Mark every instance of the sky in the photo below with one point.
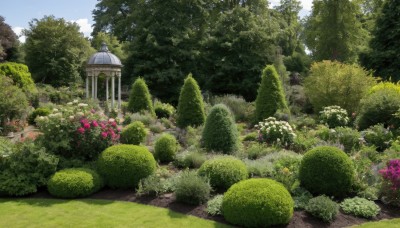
(18, 13)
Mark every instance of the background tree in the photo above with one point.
(113, 44)
(383, 55)
(55, 51)
(271, 97)
(9, 44)
(333, 30)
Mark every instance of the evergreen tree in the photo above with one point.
(271, 97)
(383, 56)
(220, 132)
(140, 98)
(190, 107)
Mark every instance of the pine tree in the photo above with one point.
(140, 98)
(190, 107)
(220, 131)
(271, 97)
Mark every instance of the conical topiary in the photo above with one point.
(220, 131)
(140, 98)
(190, 107)
(270, 97)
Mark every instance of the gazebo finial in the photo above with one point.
(104, 47)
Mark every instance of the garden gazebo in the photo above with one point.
(103, 62)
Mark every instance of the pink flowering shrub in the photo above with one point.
(77, 131)
(390, 188)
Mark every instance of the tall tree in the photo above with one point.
(9, 43)
(383, 55)
(333, 31)
(113, 44)
(55, 51)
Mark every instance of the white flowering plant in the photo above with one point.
(274, 132)
(334, 116)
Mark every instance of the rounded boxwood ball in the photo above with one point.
(327, 170)
(123, 166)
(224, 171)
(134, 133)
(166, 147)
(257, 202)
(74, 183)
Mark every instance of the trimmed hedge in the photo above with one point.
(140, 98)
(166, 147)
(327, 170)
(123, 166)
(190, 107)
(220, 133)
(257, 203)
(74, 183)
(134, 133)
(224, 171)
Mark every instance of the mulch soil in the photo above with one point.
(300, 218)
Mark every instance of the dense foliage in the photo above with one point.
(74, 183)
(223, 171)
(390, 188)
(256, 203)
(360, 207)
(270, 97)
(140, 98)
(220, 132)
(327, 170)
(134, 133)
(274, 132)
(9, 46)
(123, 166)
(166, 147)
(334, 116)
(21, 77)
(190, 106)
(323, 208)
(192, 189)
(43, 111)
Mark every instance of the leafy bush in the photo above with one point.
(134, 133)
(74, 183)
(253, 136)
(273, 132)
(331, 83)
(301, 198)
(360, 207)
(192, 188)
(286, 171)
(270, 97)
(25, 169)
(123, 166)
(214, 205)
(140, 98)
(241, 109)
(6, 149)
(166, 147)
(327, 170)
(163, 110)
(38, 112)
(379, 108)
(385, 86)
(256, 150)
(257, 203)
(348, 137)
(157, 183)
(378, 136)
(334, 116)
(304, 142)
(390, 188)
(190, 106)
(323, 207)
(223, 171)
(190, 159)
(60, 95)
(220, 132)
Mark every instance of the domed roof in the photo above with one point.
(104, 57)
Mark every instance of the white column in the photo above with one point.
(92, 86)
(107, 79)
(112, 91)
(119, 91)
(95, 86)
(87, 86)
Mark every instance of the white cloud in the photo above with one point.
(84, 25)
(306, 4)
(18, 31)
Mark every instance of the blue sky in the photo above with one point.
(18, 13)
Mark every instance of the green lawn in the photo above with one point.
(92, 213)
(393, 223)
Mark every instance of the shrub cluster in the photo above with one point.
(134, 133)
(390, 188)
(241, 109)
(272, 131)
(163, 110)
(323, 207)
(38, 112)
(190, 159)
(165, 147)
(214, 205)
(257, 203)
(360, 207)
(223, 171)
(220, 132)
(378, 136)
(327, 170)
(123, 166)
(334, 116)
(140, 98)
(74, 183)
(192, 189)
